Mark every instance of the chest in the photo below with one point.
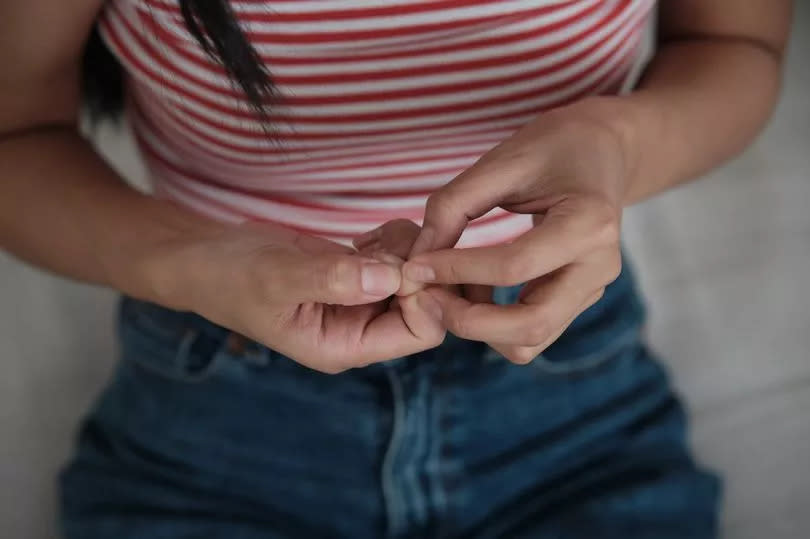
(362, 72)
(293, 35)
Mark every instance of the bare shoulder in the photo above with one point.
(41, 45)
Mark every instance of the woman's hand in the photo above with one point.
(397, 238)
(568, 169)
(320, 303)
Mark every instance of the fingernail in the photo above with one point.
(379, 279)
(419, 273)
(371, 247)
(429, 304)
(388, 258)
(371, 235)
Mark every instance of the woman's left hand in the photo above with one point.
(568, 169)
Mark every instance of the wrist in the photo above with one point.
(625, 125)
(164, 263)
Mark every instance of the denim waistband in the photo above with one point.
(615, 318)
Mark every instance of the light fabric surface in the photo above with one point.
(725, 265)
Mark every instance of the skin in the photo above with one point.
(708, 92)
(303, 296)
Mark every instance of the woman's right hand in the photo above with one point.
(320, 303)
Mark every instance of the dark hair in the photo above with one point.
(215, 27)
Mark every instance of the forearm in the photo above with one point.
(707, 93)
(62, 208)
(700, 102)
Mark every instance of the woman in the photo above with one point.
(270, 386)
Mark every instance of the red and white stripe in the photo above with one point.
(380, 103)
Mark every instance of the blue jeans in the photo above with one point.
(199, 437)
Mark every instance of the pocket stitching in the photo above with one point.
(589, 361)
(161, 351)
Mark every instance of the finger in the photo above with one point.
(395, 261)
(370, 248)
(414, 328)
(523, 323)
(364, 240)
(339, 279)
(559, 240)
(423, 316)
(398, 237)
(526, 354)
(395, 237)
(388, 258)
(408, 287)
(334, 338)
(469, 196)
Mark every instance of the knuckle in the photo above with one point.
(614, 268)
(438, 204)
(325, 363)
(329, 368)
(516, 268)
(458, 324)
(442, 209)
(339, 277)
(537, 331)
(521, 355)
(606, 223)
(610, 231)
(334, 363)
(440, 337)
(436, 338)
(602, 218)
(454, 274)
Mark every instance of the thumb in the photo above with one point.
(339, 279)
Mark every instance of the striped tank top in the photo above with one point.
(380, 102)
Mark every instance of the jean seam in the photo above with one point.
(181, 350)
(590, 361)
(393, 504)
(435, 466)
(420, 503)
